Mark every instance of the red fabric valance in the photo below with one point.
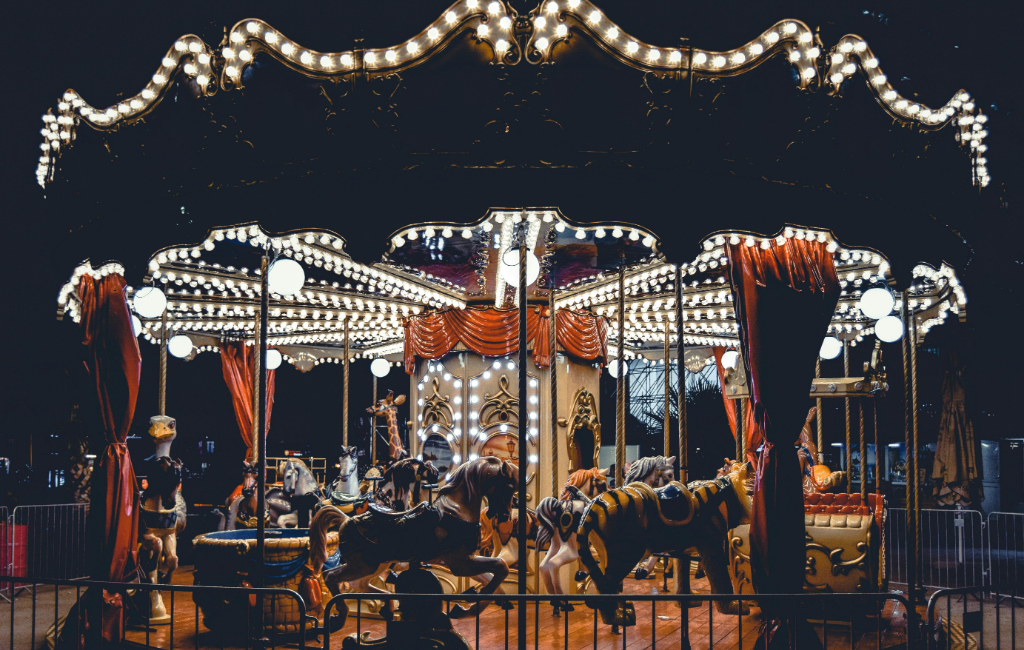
(495, 333)
(237, 363)
(785, 297)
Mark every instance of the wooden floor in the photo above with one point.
(573, 631)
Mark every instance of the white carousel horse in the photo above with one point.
(558, 520)
(291, 505)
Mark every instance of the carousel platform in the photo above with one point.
(714, 630)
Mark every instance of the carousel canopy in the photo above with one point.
(212, 287)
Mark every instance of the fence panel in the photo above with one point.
(5, 552)
(970, 618)
(48, 541)
(952, 548)
(1005, 551)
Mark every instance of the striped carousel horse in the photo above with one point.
(625, 523)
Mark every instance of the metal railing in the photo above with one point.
(969, 619)
(1005, 549)
(47, 541)
(839, 620)
(953, 548)
(40, 618)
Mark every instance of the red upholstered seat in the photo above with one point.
(847, 504)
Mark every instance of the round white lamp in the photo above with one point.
(830, 348)
(285, 277)
(273, 359)
(136, 325)
(510, 267)
(889, 329)
(613, 368)
(380, 367)
(730, 358)
(180, 346)
(149, 302)
(877, 302)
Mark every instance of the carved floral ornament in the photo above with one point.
(512, 38)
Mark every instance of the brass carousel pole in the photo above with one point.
(373, 426)
(863, 453)
(344, 389)
(256, 443)
(668, 395)
(553, 380)
(258, 415)
(878, 449)
(620, 384)
(161, 401)
(911, 543)
(524, 456)
(846, 402)
(917, 472)
(737, 407)
(820, 416)
(684, 456)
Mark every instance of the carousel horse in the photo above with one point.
(291, 505)
(387, 408)
(562, 516)
(162, 520)
(345, 492)
(402, 486)
(447, 531)
(496, 533)
(242, 508)
(625, 523)
(817, 478)
(656, 471)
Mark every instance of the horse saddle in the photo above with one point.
(349, 503)
(675, 503)
(388, 516)
(156, 520)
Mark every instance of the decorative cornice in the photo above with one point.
(512, 38)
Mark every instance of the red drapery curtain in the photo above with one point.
(750, 429)
(112, 366)
(236, 360)
(785, 296)
(495, 333)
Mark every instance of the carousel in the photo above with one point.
(494, 473)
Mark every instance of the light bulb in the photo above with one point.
(889, 329)
(273, 359)
(285, 277)
(180, 346)
(830, 348)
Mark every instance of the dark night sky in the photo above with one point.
(930, 49)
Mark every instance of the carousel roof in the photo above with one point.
(503, 36)
(213, 286)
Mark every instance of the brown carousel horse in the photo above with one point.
(447, 531)
(242, 502)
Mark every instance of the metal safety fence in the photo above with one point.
(974, 618)
(953, 548)
(1005, 550)
(698, 621)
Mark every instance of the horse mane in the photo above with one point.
(577, 479)
(469, 476)
(644, 467)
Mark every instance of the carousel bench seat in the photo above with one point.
(844, 549)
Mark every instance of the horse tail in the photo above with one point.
(327, 518)
(548, 511)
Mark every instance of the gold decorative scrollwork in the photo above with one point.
(501, 407)
(835, 557)
(584, 415)
(436, 408)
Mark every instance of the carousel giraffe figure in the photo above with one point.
(387, 408)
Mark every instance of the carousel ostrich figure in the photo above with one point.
(558, 521)
(446, 531)
(163, 513)
(387, 408)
